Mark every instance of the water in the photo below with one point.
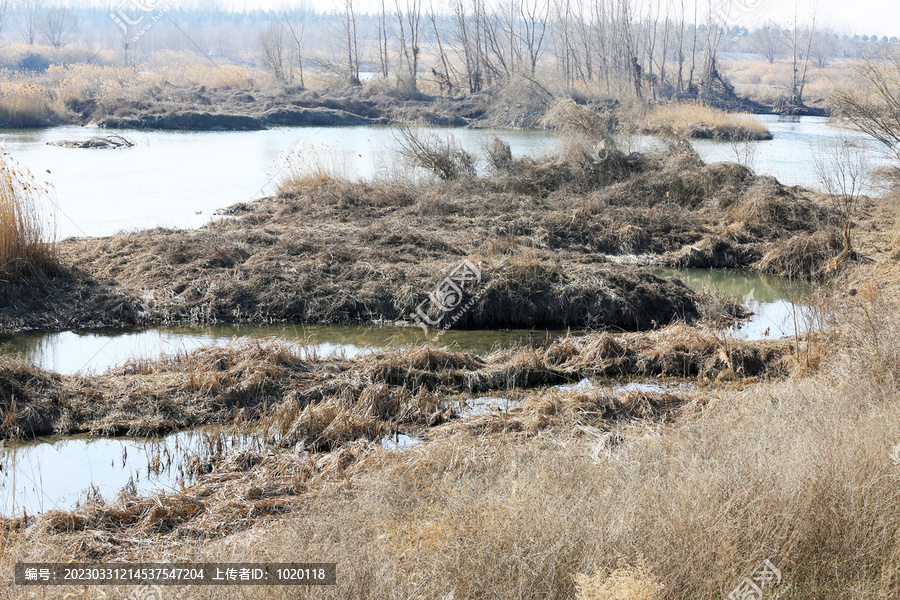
(97, 350)
(789, 155)
(55, 473)
(180, 178)
(778, 305)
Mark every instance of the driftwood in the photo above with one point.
(100, 141)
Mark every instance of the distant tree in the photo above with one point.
(28, 15)
(295, 25)
(800, 42)
(5, 12)
(409, 18)
(768, 41)
(57, 26)
(824, 47)
(352, 42)
(271, 50)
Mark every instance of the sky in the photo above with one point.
(862, 17)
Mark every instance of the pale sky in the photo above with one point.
(862, 17)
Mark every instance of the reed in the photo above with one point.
(27, 235)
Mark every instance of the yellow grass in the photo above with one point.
(767, 83)
(684, 119)
(24, 103)
(26, 235)
(625, 583)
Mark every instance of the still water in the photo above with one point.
(779, 306)
(97, 350)
(180, 178)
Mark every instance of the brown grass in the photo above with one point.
(795, 471)
(24, 105)
(702, 121)
(27, 235)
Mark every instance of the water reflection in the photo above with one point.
(95, 351)
(779, 305)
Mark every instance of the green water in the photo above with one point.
(765, 288)
(779, 306)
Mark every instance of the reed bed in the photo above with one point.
(27, 233)
(702, 121)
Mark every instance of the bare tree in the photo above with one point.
(872, 102)
(28, 18)
(271, 49)
(824, 47)
(712, 82)
(410, 21)
(57, 26)
(842, 169)
(383, 56)
(768, 40)
(5, 12)
(801, 44)
(444, 77)
(533, 14)
(352, 42)
(295, 25)
(469, 39)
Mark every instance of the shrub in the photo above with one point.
(442, 156)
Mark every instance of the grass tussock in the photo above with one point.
(703, 122)
(27, 235)
(625, 583)
(323, 404)
(553, 238)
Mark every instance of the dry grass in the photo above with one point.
(24, 104)
(323, 404)
(625, 583)
(799, 472)
(27, 235)
(767, 83)
(702, 121)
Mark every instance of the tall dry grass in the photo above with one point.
(700, 120)
(25, 104)
(27, 234)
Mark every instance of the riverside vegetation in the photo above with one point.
(751, 450)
